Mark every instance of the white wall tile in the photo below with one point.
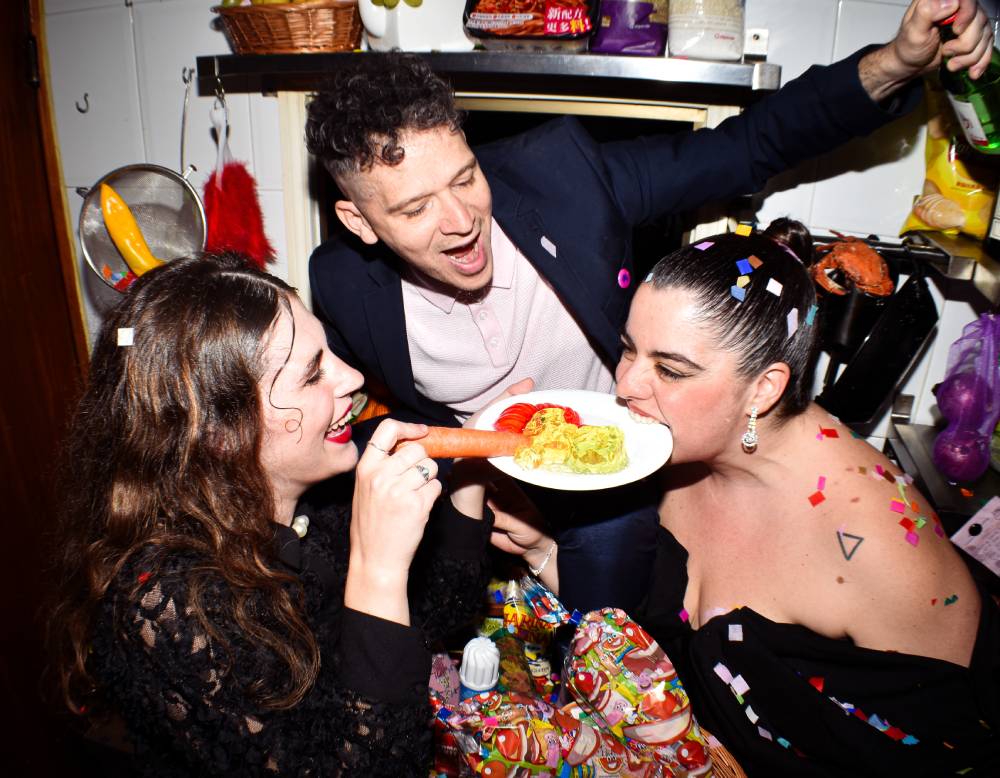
(801, 34)
(867, 186)
(64, 6)
(169, 37)
(266, 141)
(91, 53)
(272, 206)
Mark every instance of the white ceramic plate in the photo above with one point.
(648, 445)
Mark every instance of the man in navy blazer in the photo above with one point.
(422, 211)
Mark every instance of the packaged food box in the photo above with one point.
(633, 27)
(532, 25)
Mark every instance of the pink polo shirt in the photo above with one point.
(464, 354)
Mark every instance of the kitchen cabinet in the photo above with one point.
(698, 93)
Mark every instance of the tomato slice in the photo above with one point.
(514, 417)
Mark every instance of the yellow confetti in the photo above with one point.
(743, 229)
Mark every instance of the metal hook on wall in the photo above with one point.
(220, 92)
(187, 75)
(86, 103)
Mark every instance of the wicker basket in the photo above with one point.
(293, 28)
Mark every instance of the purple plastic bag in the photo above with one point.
(969, 398)
(630, 27)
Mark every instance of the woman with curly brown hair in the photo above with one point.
(237, 625)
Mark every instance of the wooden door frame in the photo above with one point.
(65, 236)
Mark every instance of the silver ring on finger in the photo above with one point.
(378, 448)
(424, 471)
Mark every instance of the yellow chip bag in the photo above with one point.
(959, 185)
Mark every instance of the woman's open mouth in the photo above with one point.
(340, 431)
(641, 418)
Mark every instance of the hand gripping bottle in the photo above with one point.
(480, 667)
(976, 102)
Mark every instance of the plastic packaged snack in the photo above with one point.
(959, 189)
(706, 29)
(531, 25)
(636, 27)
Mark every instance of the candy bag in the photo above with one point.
(969, 398)
(624, 681)
(959, 188)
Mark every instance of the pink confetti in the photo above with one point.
(938, 531)
(705, 244)
(912, 538)
(898, 506)
(821, 483)
(683, 615)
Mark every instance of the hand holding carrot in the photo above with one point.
(393, 496)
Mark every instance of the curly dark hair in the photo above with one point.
(756, 330)
(163, 454)
(357, 119)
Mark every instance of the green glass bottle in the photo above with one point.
(976, 103)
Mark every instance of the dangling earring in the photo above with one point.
(749, 439)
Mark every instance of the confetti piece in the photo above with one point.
(857, 541)
(863, 470)
(816, 498)
(811, 315)
(784, 743)
(774, 287)
(743, 281)
(764, 733)
(913, 539)
(743, 229)
(106, 272)
(933, 600)
(966, 492)
(938, 531)
(744, 266)
(909, 740)
(907, 524)
(830, 432)
(751, 714)
(950, 600)
(755, 261)
(817, 682)
(879, 469)
(792, 321)
(888, 476)
(648, 278)
(705, 244)
(876, 722)
(126, 336)
(736, 633)
(683, 615)
(723, 672)
(821, 483)
(548, 245)
(740, 686)
(738, 293)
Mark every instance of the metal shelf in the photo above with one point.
(593, 75)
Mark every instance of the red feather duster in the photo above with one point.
(233, 219)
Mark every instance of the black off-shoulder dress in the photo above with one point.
(183, 696)
(787, 701)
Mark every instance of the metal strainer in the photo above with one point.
(166, 208)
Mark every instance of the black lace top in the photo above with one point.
(787, 701)
(366, 715)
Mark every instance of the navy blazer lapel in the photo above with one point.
(386, 323)
(526, 227)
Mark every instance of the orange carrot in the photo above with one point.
(448, 442)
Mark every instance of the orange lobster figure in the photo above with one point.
(860, 264)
